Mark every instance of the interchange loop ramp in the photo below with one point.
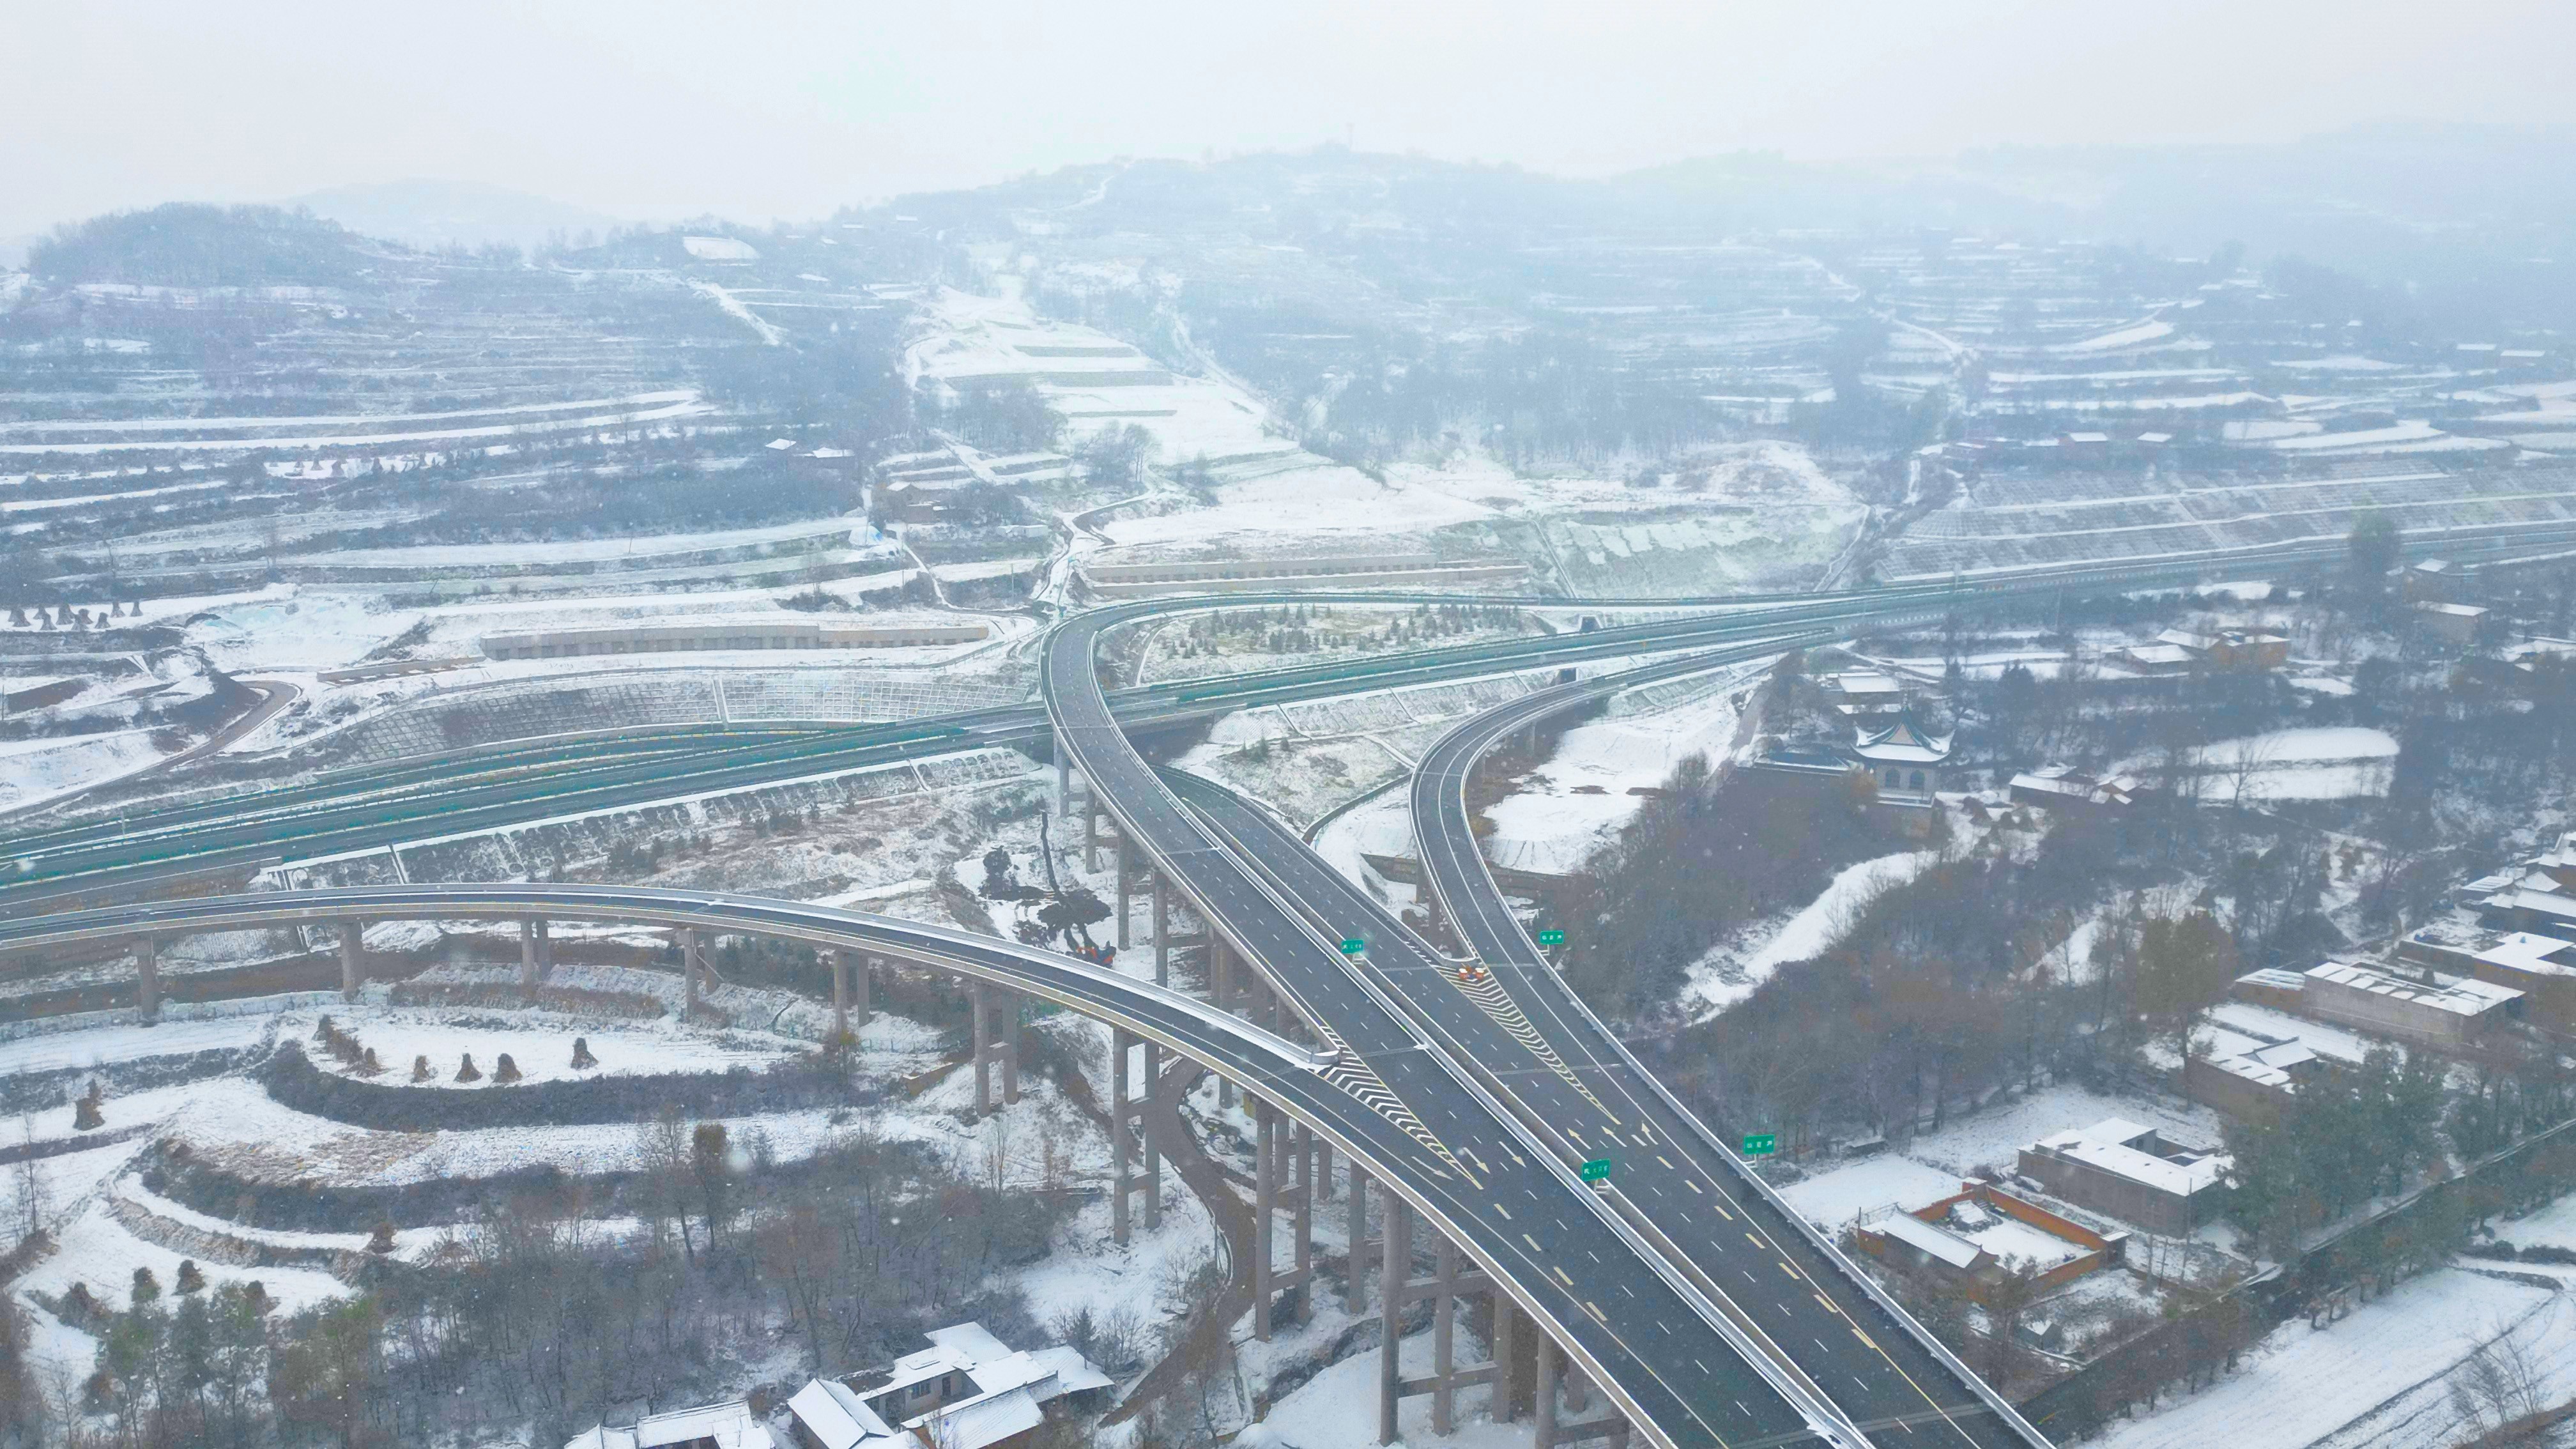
(1717, 1211)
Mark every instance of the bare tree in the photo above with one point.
(31, 1180)
(997, 1151)
(2500, 1386)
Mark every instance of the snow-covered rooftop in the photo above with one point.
(1930, 1239)
(2460, 995)
(2106, 1146)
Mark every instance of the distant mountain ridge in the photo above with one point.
(431, 213)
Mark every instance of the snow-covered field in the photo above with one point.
(1934, 1163)
(1565, 811)
(37, 770)
(2379, 1378)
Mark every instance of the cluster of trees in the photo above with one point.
(189, 245)
(2349, 1134)
(540, 1312)
(1705, 854)
(1004, 418)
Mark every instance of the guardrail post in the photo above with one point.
(353, 960)
(147, 964)
(528, 956)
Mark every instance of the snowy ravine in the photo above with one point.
(1732, 969)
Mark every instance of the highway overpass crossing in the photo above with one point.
(1690, 1354)
(1330, 1092)
(372, 807)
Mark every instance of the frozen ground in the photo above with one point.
(1831, 1199)
(1561, 814)
(1337, 1408)
(37, 770)
(105, 1045)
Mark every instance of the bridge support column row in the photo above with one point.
(1127, 1133)
(1283, 1178)
(1090, 833)
(1450, 1281)
(987, 1050)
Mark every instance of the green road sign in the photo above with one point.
(1596, 1170)
(1354, 946)
(1551, 938)
(1761, 1144)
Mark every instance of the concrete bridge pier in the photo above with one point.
(1162, 929)
(545, 951)
(147, 964)
(1552, 1428)
(1090, 834)
(353, 958)
(1355, 1284)
(1221, 992)
(1127, 1134)
(528, 956)
(1126, 886)
(988, 1051)
(844, 978)
(692, 964)
(1283, 1179)
(1450, 1280)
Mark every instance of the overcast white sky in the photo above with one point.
(758, 110)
